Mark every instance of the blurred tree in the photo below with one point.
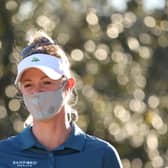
(6, 46)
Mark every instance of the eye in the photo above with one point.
(27, 85)
(47, 82)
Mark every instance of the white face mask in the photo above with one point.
(44, 105)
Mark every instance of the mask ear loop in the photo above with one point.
(64, 82)
(29, 121)
(75, 97)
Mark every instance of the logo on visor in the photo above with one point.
(35, 59)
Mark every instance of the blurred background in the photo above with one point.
(119, 55)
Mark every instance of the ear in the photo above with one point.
(70, 83)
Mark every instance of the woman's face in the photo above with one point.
(33, 81)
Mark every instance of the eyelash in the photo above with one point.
(47, 82)
(43, 83)
(27, 85)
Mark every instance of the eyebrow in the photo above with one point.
(29, 80)
(45, 76)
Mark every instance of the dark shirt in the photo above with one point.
(80, 150)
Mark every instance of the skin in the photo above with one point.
(51, 132)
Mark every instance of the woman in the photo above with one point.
(54, 139)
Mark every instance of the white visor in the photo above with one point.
(52, 66)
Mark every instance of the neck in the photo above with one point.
(52, 132)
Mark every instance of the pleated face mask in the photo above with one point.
(44, 105)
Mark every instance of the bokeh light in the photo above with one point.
(77, 55)
(133, 43)
(3, 112)
(11, 5)
(14, 105)
(11, 91)
(46, 23)
(90, 46)
(150, 21)
(92, 18)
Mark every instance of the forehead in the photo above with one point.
(32, 73)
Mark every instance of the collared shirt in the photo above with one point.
(80, 150)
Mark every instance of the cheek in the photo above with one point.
(51, 87)
(23, 90)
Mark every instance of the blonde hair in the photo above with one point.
(40, 42)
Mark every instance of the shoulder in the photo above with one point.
(107, 151)
(12, 142)
(8, 143)
(95, 142)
